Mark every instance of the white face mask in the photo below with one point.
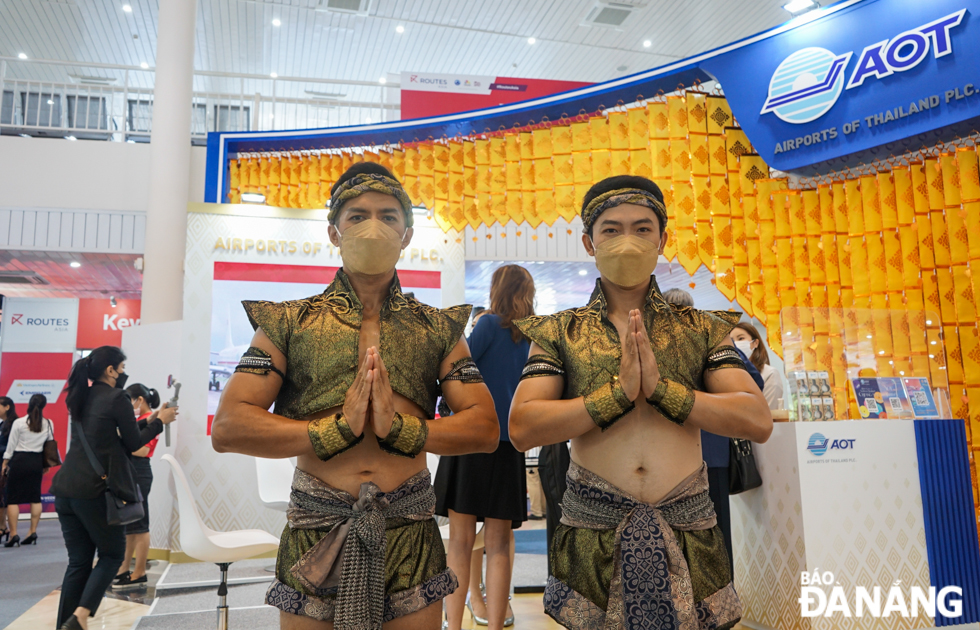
(745, 345)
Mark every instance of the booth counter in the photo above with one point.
(861, 504)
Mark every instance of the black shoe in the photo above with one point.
(535, 517)
(71, 624)
(122, 577)
(128, 583)
(6, 533)
(30, 540)
(13, 542)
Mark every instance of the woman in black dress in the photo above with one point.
(491, 488)
(23, 464)
(145, 400)
(8, 413)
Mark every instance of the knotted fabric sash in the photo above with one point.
(651, 585)
(351, 556)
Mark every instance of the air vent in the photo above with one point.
(326, 95)
(355, 7)
(91, 80)
(611, 14)
(20, 277)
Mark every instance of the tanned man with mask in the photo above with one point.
(631, 380)
(354, 374)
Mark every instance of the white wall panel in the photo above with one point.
(72, 230)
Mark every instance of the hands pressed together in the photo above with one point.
(369, 399)
(638, 370)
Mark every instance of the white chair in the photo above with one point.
(203, 543)
(275, 481)
(275, 478)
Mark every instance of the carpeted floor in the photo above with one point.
(531, 541)
(45, 564)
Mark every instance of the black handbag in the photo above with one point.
(118, 511)
(52, 457)
(743, 474)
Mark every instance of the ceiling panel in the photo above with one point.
(444, 36)
(99, 276)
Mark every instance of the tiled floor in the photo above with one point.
(114, 614)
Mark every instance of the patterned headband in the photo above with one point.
(370, 182)
(618, 197)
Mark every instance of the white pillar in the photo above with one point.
(170, 154)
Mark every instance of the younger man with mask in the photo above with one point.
(354, 373)
(631, 379)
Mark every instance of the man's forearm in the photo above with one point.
(732, 414)
(539, 422)
(472, 430)
(249, 430)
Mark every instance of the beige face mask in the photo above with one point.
(370, 248)
(626, 260)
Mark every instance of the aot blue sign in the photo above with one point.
(853, 79)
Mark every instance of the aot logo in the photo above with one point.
(16, 319)
(808, 82)
(818, 444)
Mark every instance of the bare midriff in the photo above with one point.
(366, 461)
(643, 454)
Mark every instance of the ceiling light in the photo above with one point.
(22, 56)
(869, 336)
(928, 322)
(144, 65)
(253, 198)
(647, 43)
(368, 120)
(276, 22)
(881, 352)
(127, 8)
(50, 102)
(274, 75)
(72, 138)
(112, 301)
(531, 40)
(382, 80)
(74, 265)
(27, 135)
(583, 272)
(399, 29)
(799, 7)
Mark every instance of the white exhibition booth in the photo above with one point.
(861, 504)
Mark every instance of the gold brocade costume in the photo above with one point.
(587, 346)
(320, 336)
(620, 563)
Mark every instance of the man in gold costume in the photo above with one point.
(354, 374)
(631, 380)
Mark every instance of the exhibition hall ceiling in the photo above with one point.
(96, 276)
(481, 37)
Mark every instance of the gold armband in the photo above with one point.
(673, 400)
(607, 404)
(331, 436)
(407, 436)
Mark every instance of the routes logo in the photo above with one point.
(808, 83)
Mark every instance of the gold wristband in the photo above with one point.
(331, 436)
(607, 404)
(672, 399)
(407, 436)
